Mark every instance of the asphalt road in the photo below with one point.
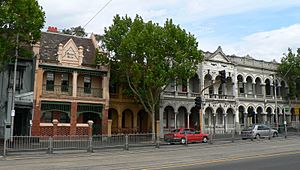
(281, 161)
(262, 154)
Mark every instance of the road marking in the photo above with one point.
(224, 160)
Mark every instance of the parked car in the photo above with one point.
(258, 131)
(183, 135)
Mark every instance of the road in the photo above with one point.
(239, 155)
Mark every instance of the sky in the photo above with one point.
(263, 29)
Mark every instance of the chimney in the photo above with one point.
(52, 29)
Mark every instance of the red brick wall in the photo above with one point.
(104, 121)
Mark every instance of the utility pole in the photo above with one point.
(14, 89)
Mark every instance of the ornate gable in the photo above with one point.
(69, 54)
(219, 56)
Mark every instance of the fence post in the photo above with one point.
(157, 141)
(90, 144)
(4, 147)
(50, 145)
(186, 139)
(232, 135)
(269, 130)
(211, 139)
(126, 142)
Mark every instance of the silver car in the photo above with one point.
(258, 131)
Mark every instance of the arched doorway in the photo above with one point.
(251, 115)
(127, 119)
(142, 121)
(169, 118)
(259, 116)
(194, 119)
(269, 115)
(181, 118)
(209, 119)
(242, 116)
(230, 118)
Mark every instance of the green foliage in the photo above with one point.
(78, 31)
(149, 56)
(23, 17)
(289, 69)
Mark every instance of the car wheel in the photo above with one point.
(275, 134)
(204, 140)
(244, 138)
(183, 140)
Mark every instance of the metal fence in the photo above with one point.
(56, 143)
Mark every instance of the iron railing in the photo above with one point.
(57, 89)
(89, 92)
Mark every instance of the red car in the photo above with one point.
(183, 135)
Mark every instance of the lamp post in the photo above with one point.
(275, 95)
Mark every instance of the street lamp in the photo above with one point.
(275, 95)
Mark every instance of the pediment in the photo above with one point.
(70, 54)
(219, 56)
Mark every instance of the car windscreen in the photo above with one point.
(175, 130)
(249, 128)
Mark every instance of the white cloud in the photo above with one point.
(267, 45)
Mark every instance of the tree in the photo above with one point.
(150, 56)
(78, 31)
(289, 69)
(19, 17)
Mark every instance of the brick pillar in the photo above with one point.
(109, 122)
(55, 123)
(35, 131)
(90, 132)
(73, 118)
(104, 121)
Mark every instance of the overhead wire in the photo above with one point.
(97, 13)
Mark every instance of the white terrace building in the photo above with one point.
(249, 95)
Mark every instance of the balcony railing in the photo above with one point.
(57, 90)
(89, 92)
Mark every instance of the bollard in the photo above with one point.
(50, 146)
(90, 147)
(269, 131)
(126, 143)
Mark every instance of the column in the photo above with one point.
(109, 123)
(271, 91)
(188, 120)
(175, 124)
(264, 117)
(245, 89)
(253, 90)
(55, 123)
(263, 89)
(73, 118)
(279, 92)
(237, 120)
(119, 120)
(246, 119)
(225, 122)
(74, 84)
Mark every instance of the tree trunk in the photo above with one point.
(153, 127)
